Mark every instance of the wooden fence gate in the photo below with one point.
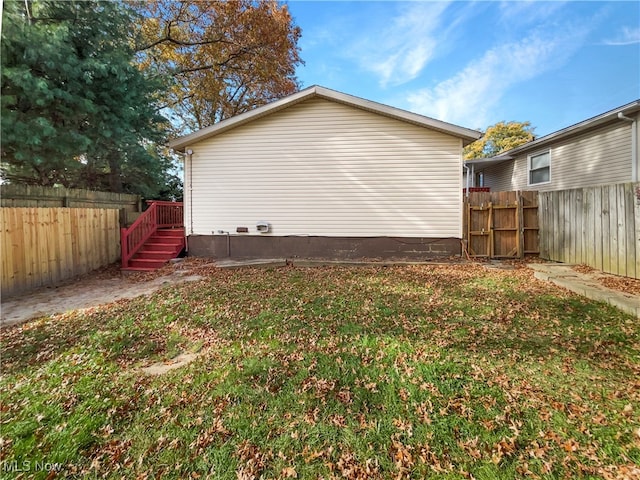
(501, 224)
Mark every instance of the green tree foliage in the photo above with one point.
(224, 58)
(76, 111)
(499, 138)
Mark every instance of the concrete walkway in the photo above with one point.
(586, 285)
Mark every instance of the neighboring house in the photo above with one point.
(600, 150)
(322, 174)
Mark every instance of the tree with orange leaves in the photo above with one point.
(222, 58)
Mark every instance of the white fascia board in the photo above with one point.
(467, 135)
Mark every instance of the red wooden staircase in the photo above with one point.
(155, 237)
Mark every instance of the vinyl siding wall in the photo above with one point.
(598, 157)
(324, 168)
(499, 177)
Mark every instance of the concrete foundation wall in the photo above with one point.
(325, 248)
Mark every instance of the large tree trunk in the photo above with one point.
(115, 177)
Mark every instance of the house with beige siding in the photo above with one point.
(598, 151)
(323, 174)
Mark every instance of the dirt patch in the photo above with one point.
(161, 368)
(103, 286)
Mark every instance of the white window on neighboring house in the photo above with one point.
(540, 168)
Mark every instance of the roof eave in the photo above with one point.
(181, 143)
(577, 128)
(467, 135)
(489, 161)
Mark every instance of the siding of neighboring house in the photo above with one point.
(592, 158)
(321, 168)
(499, 177)
(596, 157)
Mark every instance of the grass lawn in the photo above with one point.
(357, 373)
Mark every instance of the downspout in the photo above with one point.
(468, 177)
(189, 155)
(634, 145)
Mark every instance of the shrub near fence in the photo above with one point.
(43, 246)
(596, 226)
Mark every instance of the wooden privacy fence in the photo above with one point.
(596, 226)
(42, 246)
(37, 196)
(501, 224)
(129, 205)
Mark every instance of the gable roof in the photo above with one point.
(568, 132)
(467, 135)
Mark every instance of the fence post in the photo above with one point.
(124, 247)
(520, 224)
(123, 217)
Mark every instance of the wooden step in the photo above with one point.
(173, 232)
(160, 247)
(155, 255)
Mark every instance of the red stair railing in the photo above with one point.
(158, 215)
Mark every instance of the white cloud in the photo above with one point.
(626, 36)
(398, 52)
(468, 97)
(525, 12)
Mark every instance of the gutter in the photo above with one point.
(634, 145)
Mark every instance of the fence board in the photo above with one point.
(632, 258)
(42, 246)
(581, 233)
(597, 226)
(613, 230)
(606, 236)
(529, 222)
(636, 211)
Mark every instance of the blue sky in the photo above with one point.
(476, 63)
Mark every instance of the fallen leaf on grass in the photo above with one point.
(289, 472)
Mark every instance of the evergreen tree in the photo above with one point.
(75, 110)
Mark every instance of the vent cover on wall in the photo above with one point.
(263, 227)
